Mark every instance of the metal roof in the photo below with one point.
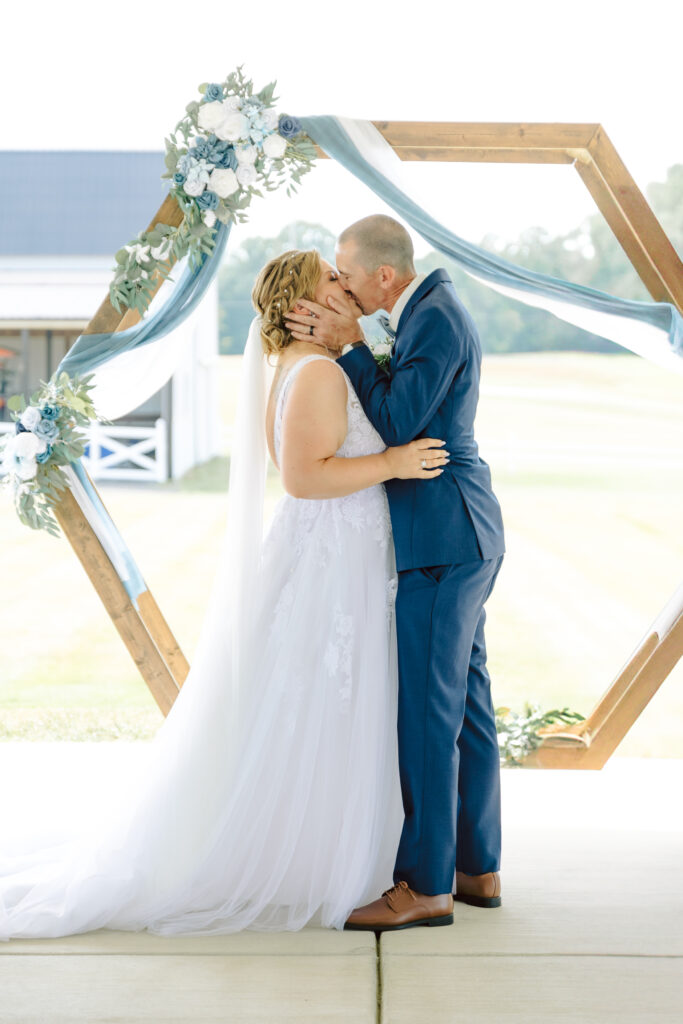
(77, 202)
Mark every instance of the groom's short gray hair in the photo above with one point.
(380, 240)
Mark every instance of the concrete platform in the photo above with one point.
(590, 931)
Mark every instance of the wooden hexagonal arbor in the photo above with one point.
(587, 744)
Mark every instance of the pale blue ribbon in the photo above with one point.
(91, 350)
(330, 135)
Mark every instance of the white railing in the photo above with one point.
(110, 446)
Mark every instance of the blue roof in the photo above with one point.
(75, 202)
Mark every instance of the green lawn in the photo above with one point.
(586, 453)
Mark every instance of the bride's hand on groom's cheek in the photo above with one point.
(333, 326)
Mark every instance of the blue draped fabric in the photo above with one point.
(330, 135)
(91, 350)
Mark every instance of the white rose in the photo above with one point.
(232, 103)
(27, 445)
(193, 187)
(274, 146)
(271, 119)
(161, 251)
(139, 251)
(26, 469)
(30, 417)
(223, 181)
(383, 348)
(246, 154)
(211, 115)
(209, 218)
(233, 126)
(246, 175)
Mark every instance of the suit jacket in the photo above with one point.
(432, 390)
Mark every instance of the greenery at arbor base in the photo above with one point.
(589, 255)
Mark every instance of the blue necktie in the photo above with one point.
(384, 322)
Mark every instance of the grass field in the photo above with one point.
(586, 453)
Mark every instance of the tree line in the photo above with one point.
(589, 255)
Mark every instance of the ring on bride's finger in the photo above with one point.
(424, 463)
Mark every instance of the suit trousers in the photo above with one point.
(449, 761)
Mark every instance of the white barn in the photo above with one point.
(63, 215)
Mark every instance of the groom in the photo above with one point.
(448, 536)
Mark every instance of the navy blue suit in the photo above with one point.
(448, 536)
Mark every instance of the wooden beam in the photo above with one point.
(130, 625)
(586, 147)
(637, 229)
(162, 636)
(590, 744)
(500, 142)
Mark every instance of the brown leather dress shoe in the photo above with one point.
(479, 890)
(402, 907)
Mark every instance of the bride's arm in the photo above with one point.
(314, 427)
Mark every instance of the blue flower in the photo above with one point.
(204, 148)
(44, 456)
(178, 178)
(185, 163)
(49, 412)
(213, 92)
(208, 200)
(227, 158)
(288, 127)
(47, 429)
(256, 134)
(216, 151)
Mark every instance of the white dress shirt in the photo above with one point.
(402, 300)
(399, 306)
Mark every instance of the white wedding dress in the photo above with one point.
(291, 815)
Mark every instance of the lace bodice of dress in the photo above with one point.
(361, 437)
(366, 509)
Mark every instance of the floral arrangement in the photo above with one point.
(518, 733)
(381, 351)
(227, 147)
(45, 439)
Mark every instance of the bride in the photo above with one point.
(269, 797)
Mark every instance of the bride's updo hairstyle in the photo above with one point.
(283, 281)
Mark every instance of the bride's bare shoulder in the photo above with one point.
(318, 374)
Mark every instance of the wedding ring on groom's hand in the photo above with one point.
(311, 326)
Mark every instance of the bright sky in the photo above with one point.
(117, 75)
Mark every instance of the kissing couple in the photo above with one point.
(356, 781)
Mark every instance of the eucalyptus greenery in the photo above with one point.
(518, 733)
(36, 485)
(193, 145)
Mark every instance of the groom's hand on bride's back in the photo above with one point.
(417, 460)
(333, 326)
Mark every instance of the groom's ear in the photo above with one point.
(387, 276)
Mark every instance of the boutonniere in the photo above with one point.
(381, 352)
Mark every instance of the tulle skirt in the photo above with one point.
(285, 814)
